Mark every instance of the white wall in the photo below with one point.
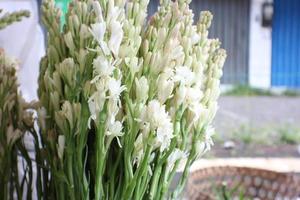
(260, 49)
(24, 41)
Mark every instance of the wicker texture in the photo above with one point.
(254, 183)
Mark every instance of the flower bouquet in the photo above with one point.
(125, 102)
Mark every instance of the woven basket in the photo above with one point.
(251, 182)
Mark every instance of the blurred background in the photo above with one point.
(259, 114)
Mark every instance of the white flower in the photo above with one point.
(98, 31)
(138, 149)
(115, 88)
(193, 95)
(176, 155)
(61, 146)
(164, 135)
(102, 67)
(195, 38)
(116, 37)
(165, 87)
(177, 52)
(96, 103)
(180, 94)
(113, 12)
(204, 146)
(197, 112)
(133, 64)
(184, 75)
(159, 123)
(115, 130)
(113, 109)
(142, 89)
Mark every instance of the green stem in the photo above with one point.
(141, 169)
(100, 156)
(70, 175)
(154, 184)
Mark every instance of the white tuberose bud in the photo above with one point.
(142, 89)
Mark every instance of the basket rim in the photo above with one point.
(230, 170)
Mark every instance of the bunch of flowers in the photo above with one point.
(125, 102)
(15, 119)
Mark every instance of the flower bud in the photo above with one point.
(67, 111)
(98, 11)
(42, 114)
(12, 135)
(54, 100)
(142, 89)
(69, 41)
(60, 120)
(165, 88)
(61, 146)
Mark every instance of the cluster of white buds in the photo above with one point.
(115, 87)
(108, 34)
(182, 68)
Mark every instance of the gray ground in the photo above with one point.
(257, 112)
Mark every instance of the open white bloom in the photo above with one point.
(96, 103)
(176, 155)
(98, 31)
(205, 144)
(102, 67)
(115, 130)
(184, 75)
(193, 95)
(159, 123)
(115, 88)
(164, 135)
(197, 112)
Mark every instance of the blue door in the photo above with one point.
(286, 44)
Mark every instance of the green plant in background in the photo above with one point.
(9, 18)
(245, 90)
(289, 135)
(125, 102)
(15, 120)
(291, 93)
